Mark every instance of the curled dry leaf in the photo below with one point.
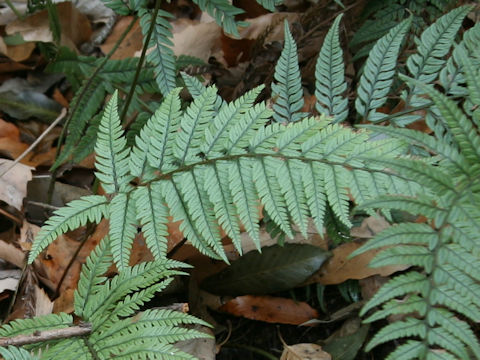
(270, 309)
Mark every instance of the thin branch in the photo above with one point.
(42, 336)
(35, 143)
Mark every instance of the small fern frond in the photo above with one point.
(40, 323)
(77, 213)
(122, 231)
(161, 55)
(111, 159)
(378, 73)
(224, 14)
(287, 91)
(14, 353)
(329, 75)
(434, 44)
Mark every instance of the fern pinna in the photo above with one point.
(443, 292)
(109, 308)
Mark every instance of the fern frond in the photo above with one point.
(14, 353)
(410, 327)
(434, 44)
(224, 14)
(111, 159)
(77, 213)
(161, 55)
(270, 4)
(329, 75)
(67, 349)
(378, 72)
(40, 323)
(287, 91)
(122, 231)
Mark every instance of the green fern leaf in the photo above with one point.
(228, 116)
(288, 87)
(245, 197)
(467, 139)
(217, 186)
(199, 205)
(68, 349)
(408, 328)
(14, 353)
(40, 323)
(179, 211)
(152, 214)
(270, 192)
(154, 145)
(329, 75)
(161, 55)
(193, 124)
(434, 44)
(91, 276)
(336, 192)
(83, 107)
(289, 176)
(77, 213)
(111, 159)
(123, 228)
(378, 73)
(313, 183)
(224, 14)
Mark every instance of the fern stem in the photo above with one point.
(51, 186)
(140, 61)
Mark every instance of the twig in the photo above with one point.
(35, 143)
(42, 336)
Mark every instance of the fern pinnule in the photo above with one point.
(14, 353)
(224, 14)
(123, 228)
(40, 323)
(435, 42)
(77, 213)
(379, 71)
(329, 75)
(287, 91)
(161, 56)
(111, 160)
(193, 124)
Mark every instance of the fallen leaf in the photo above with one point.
(132, 43)
(276, 269)
(75, 26)
(270, 309)
(43, 304)
(345, 343)
(340, 268)
(13, 184)
(304, 352)
(370, 226)
(201, 349)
